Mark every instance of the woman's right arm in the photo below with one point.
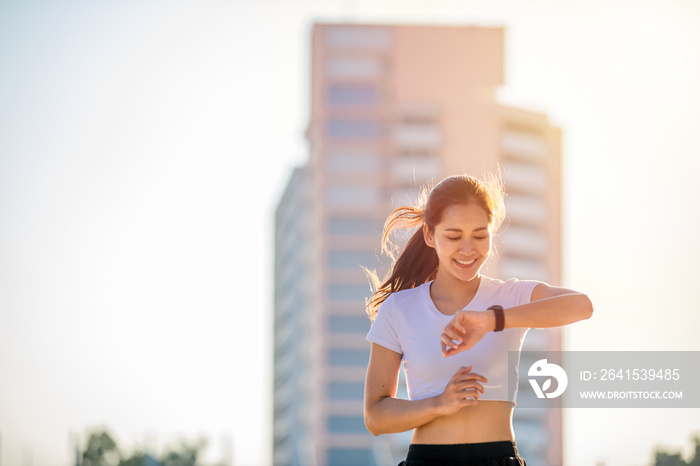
(386, 414)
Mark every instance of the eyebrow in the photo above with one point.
(460, 230)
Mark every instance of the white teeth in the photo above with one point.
(466, 262)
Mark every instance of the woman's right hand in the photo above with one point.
(463, 389)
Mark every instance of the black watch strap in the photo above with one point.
(500, 318)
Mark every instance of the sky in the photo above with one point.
(145, 144)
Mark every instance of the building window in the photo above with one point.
(348, 291)
(525, 178)
(526, 242)
(346, 391)
(417, 169)
(354, 162)
(348, 357)
(425, 136)
(407, 195)
(354, 226)
(354, 196)
(348, 324)
(372, 38)
(350, 259)
(365, 129)
(351, 457)
(524, 145)
(527, 210)
(524, 268)
(357, 95)
(346, 424)
(354, 68)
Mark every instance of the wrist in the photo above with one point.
(438, 407)
(490, 320)
(496, 318)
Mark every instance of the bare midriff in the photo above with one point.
(486, 421)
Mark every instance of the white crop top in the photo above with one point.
(408, 323)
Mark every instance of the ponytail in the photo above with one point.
(417, 263)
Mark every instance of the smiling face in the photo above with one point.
(462, 241)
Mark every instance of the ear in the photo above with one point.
(428, 236)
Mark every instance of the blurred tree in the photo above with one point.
(139, 459)
(101, 450)
(185, 456)
(136, 459)
(662, 458)
(696, 457)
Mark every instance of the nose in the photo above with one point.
(466, 246)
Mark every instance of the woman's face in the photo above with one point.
(462, 240)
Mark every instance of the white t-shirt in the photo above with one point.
(408, 323)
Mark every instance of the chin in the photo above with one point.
(467, 277)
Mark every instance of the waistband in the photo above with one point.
(467, 451)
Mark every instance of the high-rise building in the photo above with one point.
(393, 108)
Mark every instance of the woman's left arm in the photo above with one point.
(550, 306)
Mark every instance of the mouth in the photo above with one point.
(465, 264)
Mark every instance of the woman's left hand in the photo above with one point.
(464, 331)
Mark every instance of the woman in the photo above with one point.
(453, 327)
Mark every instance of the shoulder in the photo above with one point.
(396, 316)
(518, 290)
(408, 295)
(510, 283)
(405, 300)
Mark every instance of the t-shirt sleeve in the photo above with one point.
(383, 331)
(521, 290)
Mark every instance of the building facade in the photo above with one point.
(394, 108)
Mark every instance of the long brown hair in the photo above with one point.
(418, 262)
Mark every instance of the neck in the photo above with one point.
(447, 287)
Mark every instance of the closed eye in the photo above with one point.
(453, 239)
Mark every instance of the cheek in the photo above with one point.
(444, 248)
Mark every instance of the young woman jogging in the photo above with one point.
(452, 328)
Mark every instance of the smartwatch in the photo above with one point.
(500, 318)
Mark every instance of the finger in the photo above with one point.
(450, 332)
(457, 349)
(457, 324)
(447, 352)
(462, 372)
(477, 380)
(473, 394)
(470, 386)
(476, 376)
(465, 383)
(449, 341)
(451, 351)
(445, 348)
(477, 387)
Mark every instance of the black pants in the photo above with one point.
(503, 453)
